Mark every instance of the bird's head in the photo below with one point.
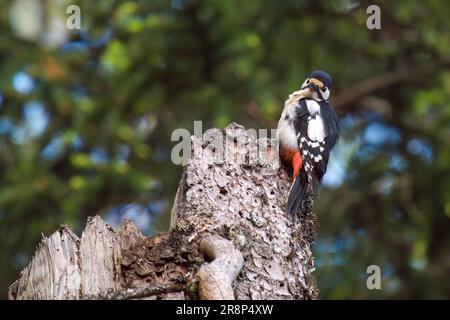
(318, 85)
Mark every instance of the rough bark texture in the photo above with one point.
(246, 204)
(216, 278)
(230, 238)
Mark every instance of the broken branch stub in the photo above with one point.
(216, 278)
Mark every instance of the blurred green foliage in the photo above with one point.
(86, 117)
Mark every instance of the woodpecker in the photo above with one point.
(308, 131)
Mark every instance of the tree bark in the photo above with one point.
(230, 238)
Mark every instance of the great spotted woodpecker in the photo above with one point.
(308, 130)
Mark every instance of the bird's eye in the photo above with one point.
(307, 81)
(324, 89)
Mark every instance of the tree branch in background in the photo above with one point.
(369, 86)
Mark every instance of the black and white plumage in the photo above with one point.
(317, 130)
(308, 129)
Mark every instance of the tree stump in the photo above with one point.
(230, 237)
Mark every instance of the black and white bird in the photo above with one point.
(308, 130)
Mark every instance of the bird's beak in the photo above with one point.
(313, 87)
(315, 84)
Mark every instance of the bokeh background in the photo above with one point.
(86, 117)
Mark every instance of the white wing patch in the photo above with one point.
(316, 129)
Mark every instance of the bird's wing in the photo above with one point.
(316, 137)
(332, 129)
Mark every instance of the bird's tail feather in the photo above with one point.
(297, 193)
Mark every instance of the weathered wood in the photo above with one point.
(54, 271)
(99, 259)
(239, 205)
(245, 203)
(65, 267)
(216, 278)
